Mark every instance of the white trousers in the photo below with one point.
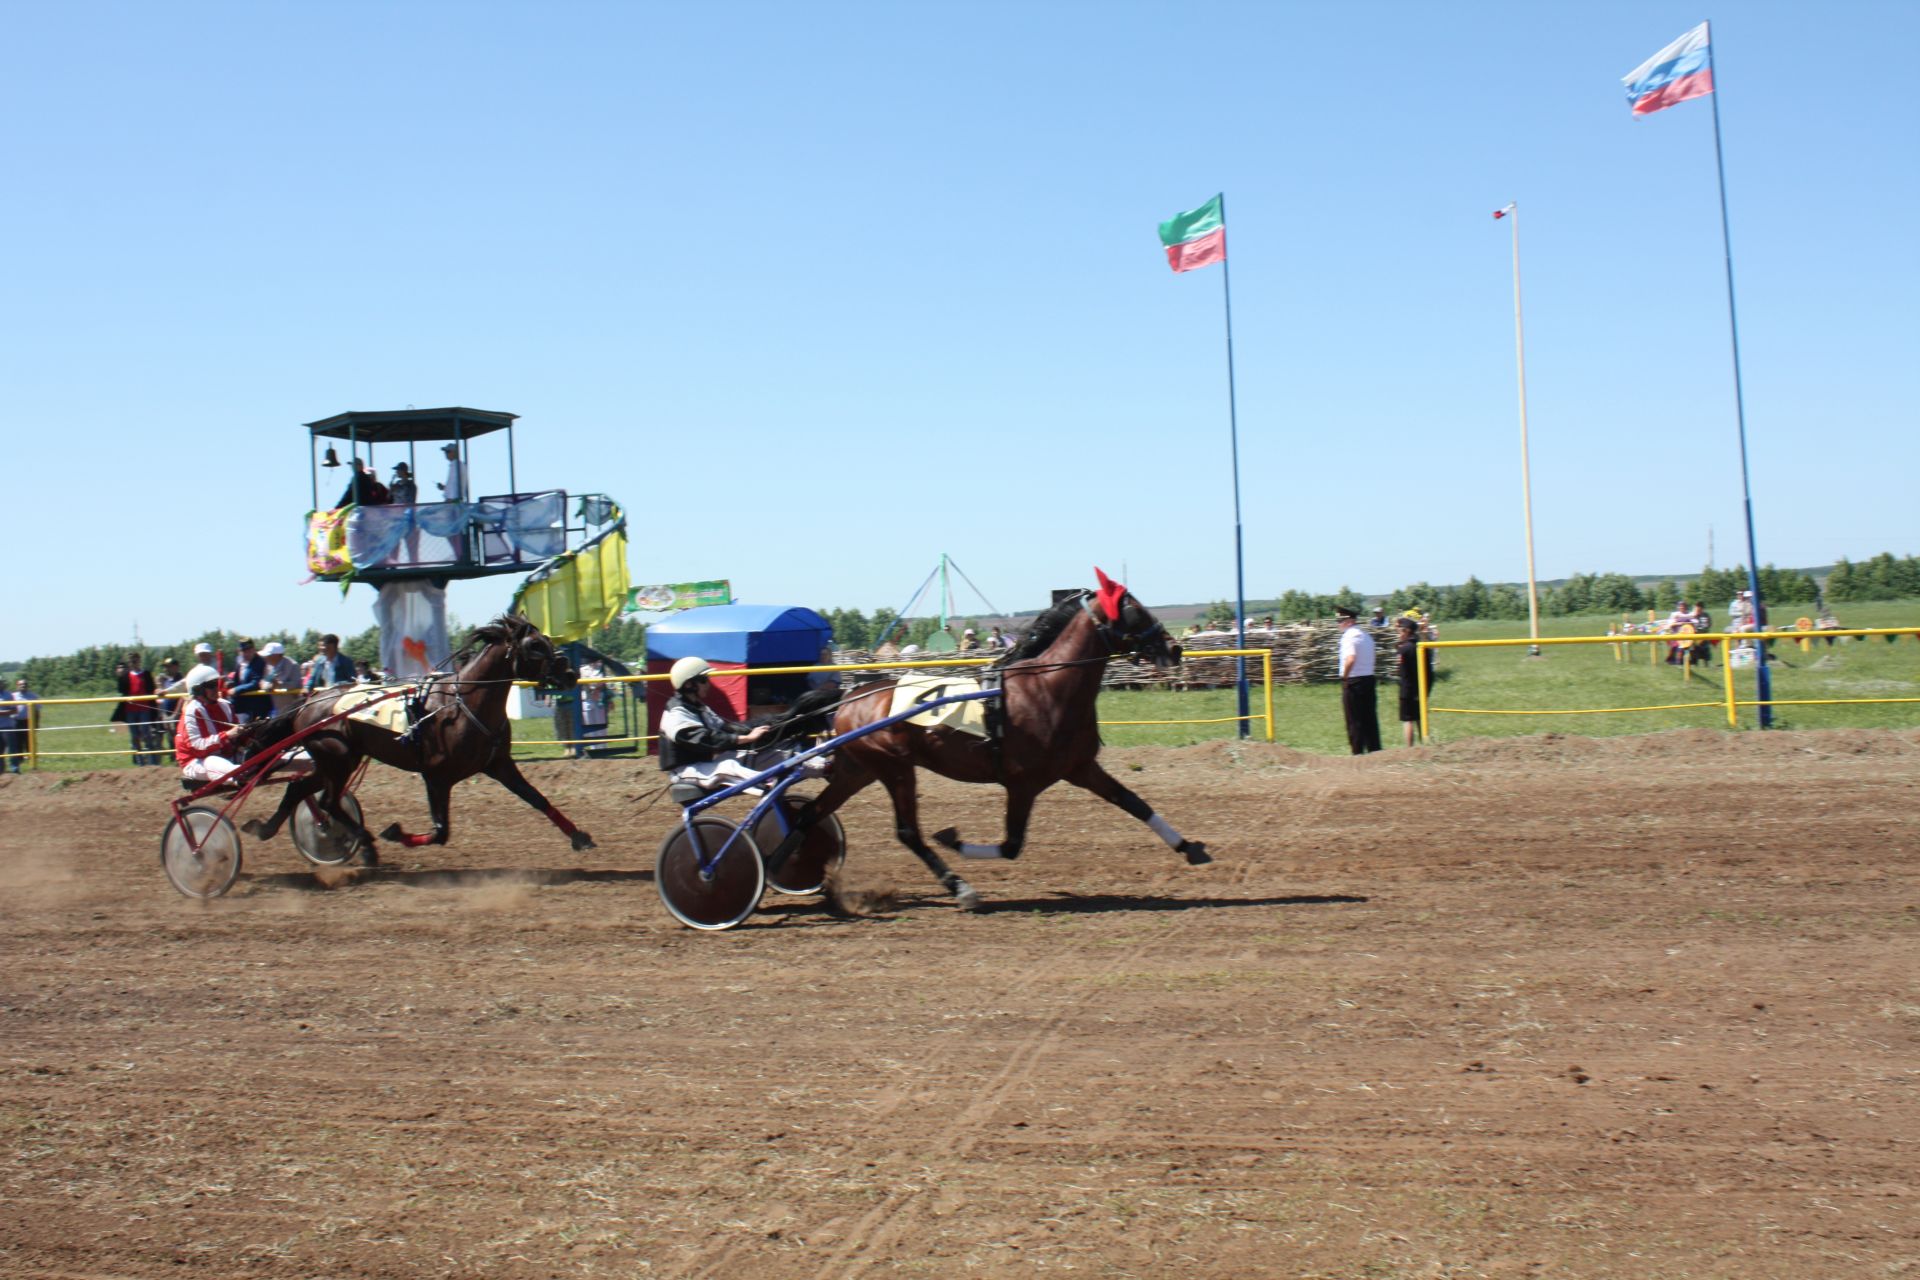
(207, 769)
(715, 775)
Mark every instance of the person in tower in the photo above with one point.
(454, 489)
(207, 730)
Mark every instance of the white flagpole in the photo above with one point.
(1526, 471)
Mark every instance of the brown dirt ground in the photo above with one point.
(1534, 1007)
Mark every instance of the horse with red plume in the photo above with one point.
(1046, 733)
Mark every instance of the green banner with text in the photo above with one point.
(667, 597)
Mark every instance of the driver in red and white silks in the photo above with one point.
(206, 729)
(700, 746)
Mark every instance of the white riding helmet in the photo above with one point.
(687, 669)
(201, 676)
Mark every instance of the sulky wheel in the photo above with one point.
(723, 897)
(806, 869)
(322, 838)
(203, 859)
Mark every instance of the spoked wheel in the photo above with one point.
(323, 839)
(723, 897)
(205, 864)
(806, 869)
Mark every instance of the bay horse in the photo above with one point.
(1047, 733)
(462, 730)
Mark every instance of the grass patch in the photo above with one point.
(1307, 717)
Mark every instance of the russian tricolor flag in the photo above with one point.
(1682, 70)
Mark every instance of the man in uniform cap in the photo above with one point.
(1357, 698)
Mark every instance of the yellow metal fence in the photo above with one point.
(1726, 699)
(37, 735)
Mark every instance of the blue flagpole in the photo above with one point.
(1233, 426)
(1764, 680)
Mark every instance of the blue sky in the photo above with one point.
(821, 291)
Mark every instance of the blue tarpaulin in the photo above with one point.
(760, 635)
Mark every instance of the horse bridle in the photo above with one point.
(546, 664)
(1117, 640)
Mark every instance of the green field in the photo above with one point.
(1571, 677)
(1308, 717)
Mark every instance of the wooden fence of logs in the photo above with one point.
(1303, 653)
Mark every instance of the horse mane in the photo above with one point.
(508, 628)
(1047, 628)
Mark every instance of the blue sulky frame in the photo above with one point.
(718, 889)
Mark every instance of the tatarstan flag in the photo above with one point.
(1196, 238)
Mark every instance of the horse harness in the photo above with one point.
(418, 712)
(994, 676)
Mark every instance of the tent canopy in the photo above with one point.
(754, 634)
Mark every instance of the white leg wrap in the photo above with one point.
(978, 850)
(1164, 829)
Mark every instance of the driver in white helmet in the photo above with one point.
(698, 745)
(207, 729)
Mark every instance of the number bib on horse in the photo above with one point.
(389, 713)
(967, 717)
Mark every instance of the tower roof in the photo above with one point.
(390, 425)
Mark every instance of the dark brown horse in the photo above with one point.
(1047, 733)
(463, 730)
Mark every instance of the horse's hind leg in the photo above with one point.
(505, 772)
(296, 791)
(1091, 777)
(906, 829)
(438, 794)
(336, 771)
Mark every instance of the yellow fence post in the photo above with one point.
(1266, 673)
(1726, 672)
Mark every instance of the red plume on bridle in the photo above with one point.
(1109, 596)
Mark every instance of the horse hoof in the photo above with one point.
(948, 838)
(367, 857)
(966, 898)
(1197, 855)
(394, 833)
(255, 828)
(582, 842)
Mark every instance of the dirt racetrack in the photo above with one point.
(1529, 1007)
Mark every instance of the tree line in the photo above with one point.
(1884, 577)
